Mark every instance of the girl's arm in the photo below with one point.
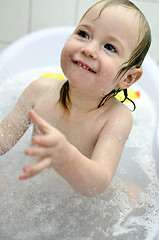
(87, 176)
(14, 125)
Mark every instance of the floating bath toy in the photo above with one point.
(131, 95)
(57, 75)
(119, 96)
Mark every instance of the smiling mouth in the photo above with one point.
(84, 66)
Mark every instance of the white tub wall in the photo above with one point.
(19, 17)
(13, 20)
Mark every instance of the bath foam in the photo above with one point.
(46, 207)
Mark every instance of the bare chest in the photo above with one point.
(82, 134)
(81, 131)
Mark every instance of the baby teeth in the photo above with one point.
(84, 66)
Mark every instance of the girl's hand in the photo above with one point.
(51, 149)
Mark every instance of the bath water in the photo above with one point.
(46, 207)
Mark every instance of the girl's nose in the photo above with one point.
(89, 51)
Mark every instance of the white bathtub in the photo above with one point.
(42, 49)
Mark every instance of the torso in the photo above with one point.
(81, 129)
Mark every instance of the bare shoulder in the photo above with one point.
(119, 120)
(122, 111)
(44, 84)
(40, 88)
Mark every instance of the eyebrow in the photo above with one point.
(85, 25)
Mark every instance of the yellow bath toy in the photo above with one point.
(131, 95)
(57, 75)
(119, 96)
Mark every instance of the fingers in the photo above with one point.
(35, 151)
(43, 126)
(48, 140)
(51, 135)
(32, 170)
(39, 152)
(45, 144)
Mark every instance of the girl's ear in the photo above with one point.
(130, 77)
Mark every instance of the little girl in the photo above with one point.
(80, 129)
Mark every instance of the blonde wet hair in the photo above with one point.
(136, 57)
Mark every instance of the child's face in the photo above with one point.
(97, 49)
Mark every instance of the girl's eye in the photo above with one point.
(83, 34)
(110, 47)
